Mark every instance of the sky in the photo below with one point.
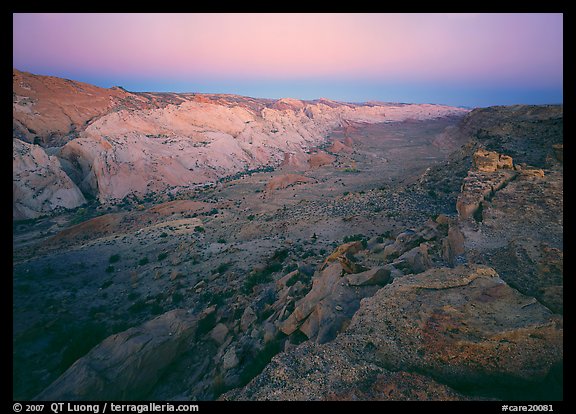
(461, 59)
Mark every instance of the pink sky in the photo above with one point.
(524, 49)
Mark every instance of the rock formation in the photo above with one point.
(128, 364)
(447, 325)
(114, 143)
(39, 185)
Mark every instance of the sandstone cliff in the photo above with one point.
(113, 143)
(39, 185)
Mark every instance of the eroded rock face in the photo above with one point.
(490, 172)
(51, 110)
(512, 220)
(119, 143)
(332, 301)
(490, 161)
(521, 236)
(477, 188)
(126, 365)
(39, 185)
(461, 328)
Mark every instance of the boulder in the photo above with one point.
(376, 276)
(415, 260)
(331, 302)
(472, 329)
(248, 318)
(343, 251)
(453, 244)
(230, 359)
(219, 333)
(125, 366)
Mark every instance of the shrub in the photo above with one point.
(143, 261)
(222, 268)
(177, 297)
(280, 255)
(106, 284)
(199, 229)
(357, 237)
(162, 256)
(114, 258)
(262, 276)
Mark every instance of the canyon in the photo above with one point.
(184, 246)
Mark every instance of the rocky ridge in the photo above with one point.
(463, 328)
(113, 143)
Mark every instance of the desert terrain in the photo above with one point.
(204, 247)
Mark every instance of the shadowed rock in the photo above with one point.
(128, 364)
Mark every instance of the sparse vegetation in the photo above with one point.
(259, 276)
(114, 258)
(357, 237)
(106, 284)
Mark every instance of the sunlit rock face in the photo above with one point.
(113, 143)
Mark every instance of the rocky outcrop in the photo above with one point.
(295, 161)
(478, 187)
(453, 244)
(490, 172)
(126, 365)
(439, 334)
(490, 161)
(517, 225)
(521, 236)
(527, 133)
(332, 301)
(39, 185)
